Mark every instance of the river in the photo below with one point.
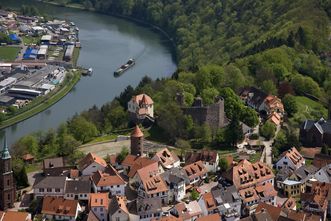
(107, 42)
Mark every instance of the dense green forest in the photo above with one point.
(282, 47)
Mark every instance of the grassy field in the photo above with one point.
(9, 53)
(41, 104)
(103, 138)
(308, 109)
(28, 40)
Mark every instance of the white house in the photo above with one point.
(108, 181)
(50, 186)
(77, 189)
(55, 208)
(290, 159)
(118, 210)
(141, 106)
(210, 159)
(99, 204)
(176, 179)
(207, 204)
(90, 164)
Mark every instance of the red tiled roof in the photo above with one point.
(196, 169)
(294, 155)
(246, 174)
(166, 158)
(59, 206)
(142, 99)
(213, 217)
(137, 132)
(140, 163)
(89, 159)
(27, 157)
(204, 155)
(15, 216)
(109, 177)
(273, 211)
(209, 201)
(99, 200)
(130, 160)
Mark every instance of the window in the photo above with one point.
(57, 190)
(101, 209)
(49, 190)
(41, 190)
(8, 182)
(8, 196)
(117, 219)
(118, 185)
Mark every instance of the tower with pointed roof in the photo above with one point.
(137, 142)
(7, 187)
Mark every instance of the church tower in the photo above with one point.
(7, 187)
(137, 142)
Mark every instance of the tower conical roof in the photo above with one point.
(137, 132)
(5, 152)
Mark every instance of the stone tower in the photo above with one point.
(7, 187)
(137, 142)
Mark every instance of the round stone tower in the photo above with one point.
(137, 142)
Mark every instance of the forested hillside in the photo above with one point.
(216, 31)
(282, 47)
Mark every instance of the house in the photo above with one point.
(56, 208)
(213, 217)
(272, 213)
(15, 216)
(149, 208)
(187, 211)
(246, 174)
(99, 205)
(77, 189)
(49, 164)
(290, 158)
(262, 102)
(141, 163)
(152, 185)
(316, 200)
(252, 196)
(140, 107)
(207, 204)
(114, 162)
(49, 186)
(209, 158)
(272, 104)
(213, 115)
(323, 175)
(118, 210)
(196, 172)
(290, 203)
(275, 118)
(167, 159)
(28, 158)
(108, 181)
(253, 97)
(315, 133)
(228, 201)
(291, 188)
(304, 174)
(321, 160)
(176, 180)
(90, 164)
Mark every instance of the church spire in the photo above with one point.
(5, 152)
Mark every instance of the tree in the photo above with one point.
(208, 95)
(269, 87)
(234, 133)
(82, 129)
(223, 164)
(249, 116)
(124, 152)
(268, 130)
(290, 104)
(194, 194)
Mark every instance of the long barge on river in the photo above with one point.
(124, 67)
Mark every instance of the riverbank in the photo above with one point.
(138, 21)
(42, 103)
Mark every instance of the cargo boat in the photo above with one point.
(124, 67)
